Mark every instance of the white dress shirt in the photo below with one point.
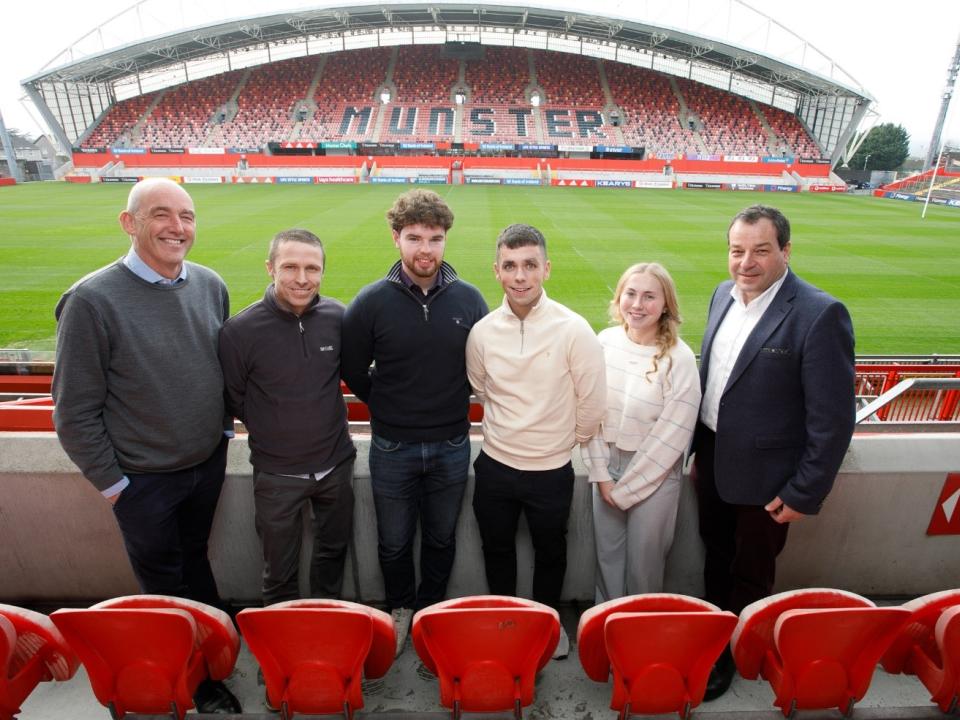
(728, 341)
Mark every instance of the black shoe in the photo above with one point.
(213, 697)
(721, 676)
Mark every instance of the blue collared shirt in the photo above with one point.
(144, 271)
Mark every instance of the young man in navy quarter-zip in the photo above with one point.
(413, 326)
(281, 368)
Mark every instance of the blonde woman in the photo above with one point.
(634, 462)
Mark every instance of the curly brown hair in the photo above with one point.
(419, 207)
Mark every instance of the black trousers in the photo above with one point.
(279, 501)
(544, 496)
(165, 519)
(742, 541)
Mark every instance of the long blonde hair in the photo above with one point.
(667, 334)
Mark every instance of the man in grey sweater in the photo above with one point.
(138, 396)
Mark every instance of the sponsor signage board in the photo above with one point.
(120, 179)
(335, 180)
(482, 181)
(521, 181)
(202, 179)
(295, 180)
(128, 151)
(615, 183)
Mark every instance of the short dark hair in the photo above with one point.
(295, 235)
(520, 235)
(753, 214)
(419, 207)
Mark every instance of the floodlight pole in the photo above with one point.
(933, 179)
(10, 151)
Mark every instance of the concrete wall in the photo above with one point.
(60, 544)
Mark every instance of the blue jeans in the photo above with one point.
(411, 481)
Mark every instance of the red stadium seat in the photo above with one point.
(486, 650)
(929, 647)
(32, 651)
(148, 653)
(314, 653)
(660, 647)
(817, 648)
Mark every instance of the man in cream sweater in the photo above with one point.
(539, 371)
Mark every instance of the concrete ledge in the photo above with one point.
(59, 542)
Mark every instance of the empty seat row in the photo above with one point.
(817, 648)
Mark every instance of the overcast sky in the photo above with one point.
(899, 57)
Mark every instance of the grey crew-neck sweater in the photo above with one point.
(137, 385)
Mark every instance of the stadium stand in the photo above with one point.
(667, 116)
(266, 105)
(727, 123)
(346, 87)
(572, 111)
(183, 116)
(651, 110)
(497, 84)
(793, 138)
(116, 125)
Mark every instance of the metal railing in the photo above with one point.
(914, 404)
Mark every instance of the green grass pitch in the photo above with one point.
(899, 275)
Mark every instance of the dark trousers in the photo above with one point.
(544, 496)
(165, 519)
(414, 481)
(742, 541)
(279, 501)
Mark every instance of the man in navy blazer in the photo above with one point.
(777, 373)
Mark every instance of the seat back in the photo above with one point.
(486, 650)
(753, 637)
(217, 638)
(312, 658)
(383, 644)
(827, 656)
(919, 632)
(32, 650)
(928, 646)
(661, 660)
(591, 644)
(141, 660)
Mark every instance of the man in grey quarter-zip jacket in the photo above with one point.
(281, 368)
(413, 326)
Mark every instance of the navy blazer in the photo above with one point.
(787, 412)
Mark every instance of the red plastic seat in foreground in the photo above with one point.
(661, 648)
(32, 651)
(929, 647)
(486, 650)
(312, 652)
(817, 647)
(148, 653)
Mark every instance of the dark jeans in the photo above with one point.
(411, 481)
(544, 496)
(165, 519)
(279, 501)
(742, 541)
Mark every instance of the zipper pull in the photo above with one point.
(426, 313)
(300, 323)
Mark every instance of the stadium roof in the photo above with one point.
(794, 75)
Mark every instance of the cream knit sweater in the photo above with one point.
(652, 417)
(542, 383)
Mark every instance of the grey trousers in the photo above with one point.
(279, 501)
(632, 545)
